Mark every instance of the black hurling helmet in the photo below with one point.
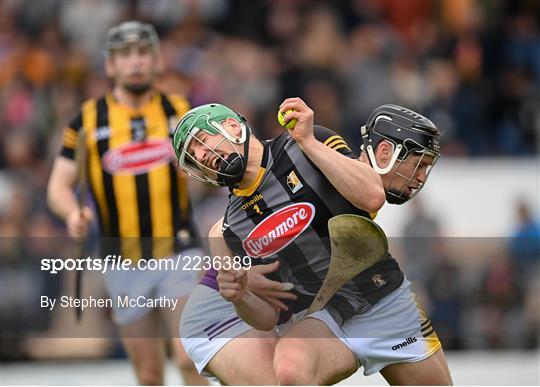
(409, 132)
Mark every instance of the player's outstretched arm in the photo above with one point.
(62, 200)
(233, 286)
(355, 181)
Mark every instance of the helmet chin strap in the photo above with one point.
(232, 169)
(373, 160)
(394, 196)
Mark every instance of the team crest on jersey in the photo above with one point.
(138, 157)
(278, 230)
(378, 280)
(293, 182)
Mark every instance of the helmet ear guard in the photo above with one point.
(373, 160)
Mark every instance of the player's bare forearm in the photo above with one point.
(216, 243)
(256, 312)
(356, 181)
(250, 308)
(61, 198)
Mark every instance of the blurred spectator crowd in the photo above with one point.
(471, 66)
(479, 292)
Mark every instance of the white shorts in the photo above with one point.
(208, 322)
(395, 330)
(149, 284)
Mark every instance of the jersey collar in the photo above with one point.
(248, 191)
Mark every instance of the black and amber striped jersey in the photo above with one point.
(284, 215)
(139, 195)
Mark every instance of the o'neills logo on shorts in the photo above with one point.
(278, 230)
(409, 341)
(138, 157)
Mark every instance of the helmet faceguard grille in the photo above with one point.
(131, 32)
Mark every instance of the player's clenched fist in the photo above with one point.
(232, 284)
(78, 222)
(296, 108)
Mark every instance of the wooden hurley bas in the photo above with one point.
(357, 244)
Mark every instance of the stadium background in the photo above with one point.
(471, 66)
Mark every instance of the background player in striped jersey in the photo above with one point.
(141, 200)
(210, 325)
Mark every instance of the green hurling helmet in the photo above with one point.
(208, 119)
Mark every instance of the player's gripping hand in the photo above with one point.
(268, 290)
(232, 284)
(303, 130)
(78, 222)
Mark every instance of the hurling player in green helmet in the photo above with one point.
(219, 160)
